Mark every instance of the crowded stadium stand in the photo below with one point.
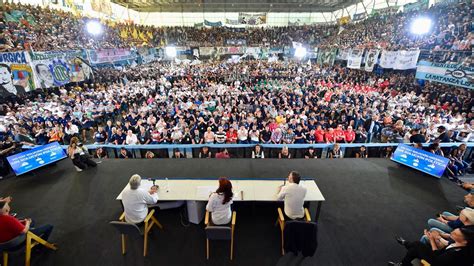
(324, 132)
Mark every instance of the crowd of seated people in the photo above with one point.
(49, 29)
(186, 105)
(267, 103)
(449, 239)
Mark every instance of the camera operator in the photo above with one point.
(7, 148)
(79, 155)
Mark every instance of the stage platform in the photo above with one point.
(368, 202)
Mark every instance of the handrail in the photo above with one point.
(221, 146)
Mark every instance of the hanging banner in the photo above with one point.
(236, 42)
(385, 11)
(111, 56)
(232, 21)
(387, 60)
(206, 51)
(212, 24)
(452, 74)
(57, 68)
(102, 6)
(371, 59)
(406, 59)
(326, 57)
(253, 19)
(360, 16)
(16, 75)
(147, 55)
(416, 6)
(343, 54)
(355, 58)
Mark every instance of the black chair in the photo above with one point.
(133, 230)
(220, 232)
(281, 222)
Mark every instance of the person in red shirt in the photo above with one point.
(231, 136)
(339, 134)
(329, 136)
(223, 154)
(11, 227)
(319, 134)
(349, 134)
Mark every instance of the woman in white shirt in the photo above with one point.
(220, 202)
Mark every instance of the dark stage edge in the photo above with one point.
(368, 202)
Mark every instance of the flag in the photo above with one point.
(124, 33)
(135, 33)
(150, 35)
(31, 20)
(142, 35)
(10, 18)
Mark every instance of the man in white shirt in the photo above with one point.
(293, 196)
(131, 138)
(136, 200)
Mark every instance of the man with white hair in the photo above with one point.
(135, 200)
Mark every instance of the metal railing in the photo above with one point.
(349, 150)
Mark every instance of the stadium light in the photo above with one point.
(420, 26)
(170, 51)
(94, 28)
(300, 52)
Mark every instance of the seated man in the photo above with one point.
(11, 227)
(293, 196)
(136, 200)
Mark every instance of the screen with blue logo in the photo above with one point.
(421, 160)
(35, 158)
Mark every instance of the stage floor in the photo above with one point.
(368, 202)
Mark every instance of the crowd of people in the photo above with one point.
(24, 27)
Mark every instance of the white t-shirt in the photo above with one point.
(220, 213)
(135, 204)
(293, 196)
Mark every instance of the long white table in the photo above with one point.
(196, 192)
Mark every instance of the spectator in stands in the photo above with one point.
(224, 154)
(100, 153)
(310, 153)
(205, 153)
(177, 154)
(219, 204)
(257, 152)
(150, 155)
(125, 154)
(131, 138)
(362, 153)
(135, 200)
(293, 195)
(284, 153)
(336, 152)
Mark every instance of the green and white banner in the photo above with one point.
(452, 74)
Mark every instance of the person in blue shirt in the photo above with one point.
(119, 138)
(100, 136)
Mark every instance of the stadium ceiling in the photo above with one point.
(235, 5)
